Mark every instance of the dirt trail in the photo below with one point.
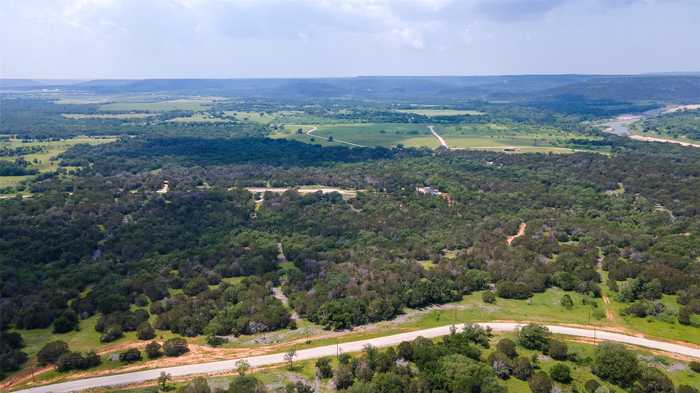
(311, 131)
(654, 139)
(438, 137)
(521, 232)
(609, 315)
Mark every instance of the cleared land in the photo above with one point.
(43, 161)
(379, 134)
(441, 112)
(195, 104)
(115, 116)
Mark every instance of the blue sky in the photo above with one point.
(309, 38)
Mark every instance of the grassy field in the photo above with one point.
(44, 162)
(441, 112)
(190, 104)
(199, 118)
(379, 134)
(115, 116)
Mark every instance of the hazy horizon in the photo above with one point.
(244, 39)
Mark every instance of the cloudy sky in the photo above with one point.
(305, 38)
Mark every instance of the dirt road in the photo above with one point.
(312, 130)
(355, 346)
(438, 137)
(521, 231)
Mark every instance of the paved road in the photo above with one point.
(331, 350)
(439, 138)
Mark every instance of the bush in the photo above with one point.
(686, 389)
(507, 346)
(534, 337)
(175, 347)
(695, 366)
(130, 355)
(246, 384)
(566, 302)
(501, 364)
(558, 350)
(145, 331)
(653, 380)
(67, 321)
(513, 290)
(153, 350)
(540, 383)
(488, 297)
(216, 341)
(561, 373)
(522, 369)
(592, 385)
(51, 352)
(70, 361)
(324, 367)
(616, 364)
(112, 333)
(343, 377)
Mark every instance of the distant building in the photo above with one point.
(429, 190)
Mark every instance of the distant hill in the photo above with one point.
(523, 88)
(634, 88)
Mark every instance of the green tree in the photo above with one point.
(323, 365)
(130, 355)
(163, 380)
(50, 352)
(534, 336)
(566, 302)
(343, 376)
(153, 350)
(198, 385)
(175, 347)
(561, 373)
(507, 346)
(289, 358)
(522, 369)
(652, 380)
(558, 349)
(540, 382)
(246, 384)
(614, 363)
(145, 331)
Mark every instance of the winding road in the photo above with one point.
(355, 346)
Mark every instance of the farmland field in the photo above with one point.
(184, 104)
(441, 112)
(379, 134)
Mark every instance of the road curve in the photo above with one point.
(439, 138)
(355, 346)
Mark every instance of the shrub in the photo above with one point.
(695, 366)
(686, 389)
(616, 364)
(522, 369)
(513, 290)
(175, 347)
(130, 355)
(652, 380)
(51, 352)
(558, 350)
(534, 336)
(566, 302)
(540, 383)
(488, 297)
(67, 321)
(145, 331)
(507, 346)
(592, 385)
(561, 373)
(324, 367)
(343, 377)
(153, 350)
(112, 333)
(70, 361)
(501, 364)
(216, 341)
